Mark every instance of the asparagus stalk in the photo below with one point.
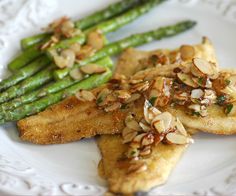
(25, 58)
(87, 22)
(110, 25)
(33, 52)
(33, 40)
(39, 105)
(25, 72)
(49, 89)
(131, 41)
(27, 85)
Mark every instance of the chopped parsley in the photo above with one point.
(227, 82)
(200, 81)
(99, 100)
(228, 108)
(152, 100)
(196, 113)
(220, 100)
(124, 106)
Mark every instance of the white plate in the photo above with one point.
(207, 168)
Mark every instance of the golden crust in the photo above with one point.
(161, 162)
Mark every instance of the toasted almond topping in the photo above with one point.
(187, 52)
(195, 71)
(129, 137)
(197, 93)
(144, 126)
(76, 74)
(92, 69)
(139, 138)
(137, 167)
(95, 39)
(123, 94)
(135, 81)
(65, 59)
(102, 96)
(175, 138)
(75, 48)
(127, 131)
(159, 126)
(67, 28)
(131, 123)
(187, 79)
(85, 51)
(134, 97)
(84, 95)
(166, 117)
(148, 139)
(113, 107)
(179, 127)
(206, 67)
(145, 151)
(150, 112)
(141, 87)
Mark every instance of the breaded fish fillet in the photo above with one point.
(71, 119)
(160, 164)
(163, 158)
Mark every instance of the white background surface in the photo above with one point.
(208, 166)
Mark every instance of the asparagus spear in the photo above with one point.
(110, 25)
(131, 41)
(39, 105)
(25, 72)
(33, 52)
(27, 85)
(25, 58)
(33, 40)
(89, 21)
(49, 89)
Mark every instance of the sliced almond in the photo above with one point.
(76, 74)
(150, 112)
(129, 137)
(179, 127)
(85, 51)
(84, 95)
(69, 55)
(175, 138)
(159, 126)
(137, 167)
(195, 71)
(139, 138)
(122, 94)
(113, 107)
(166, 117)
(187, 79)
(131, 123)
(147, 140)
(145, 127)
(206, 67)
(187, 52)
(127, 131)
(147, 150)
(134, 97)
(75, 48)
(141, 87)
(95, 39)
(92, 69)
(102, 96)
(197, 93)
